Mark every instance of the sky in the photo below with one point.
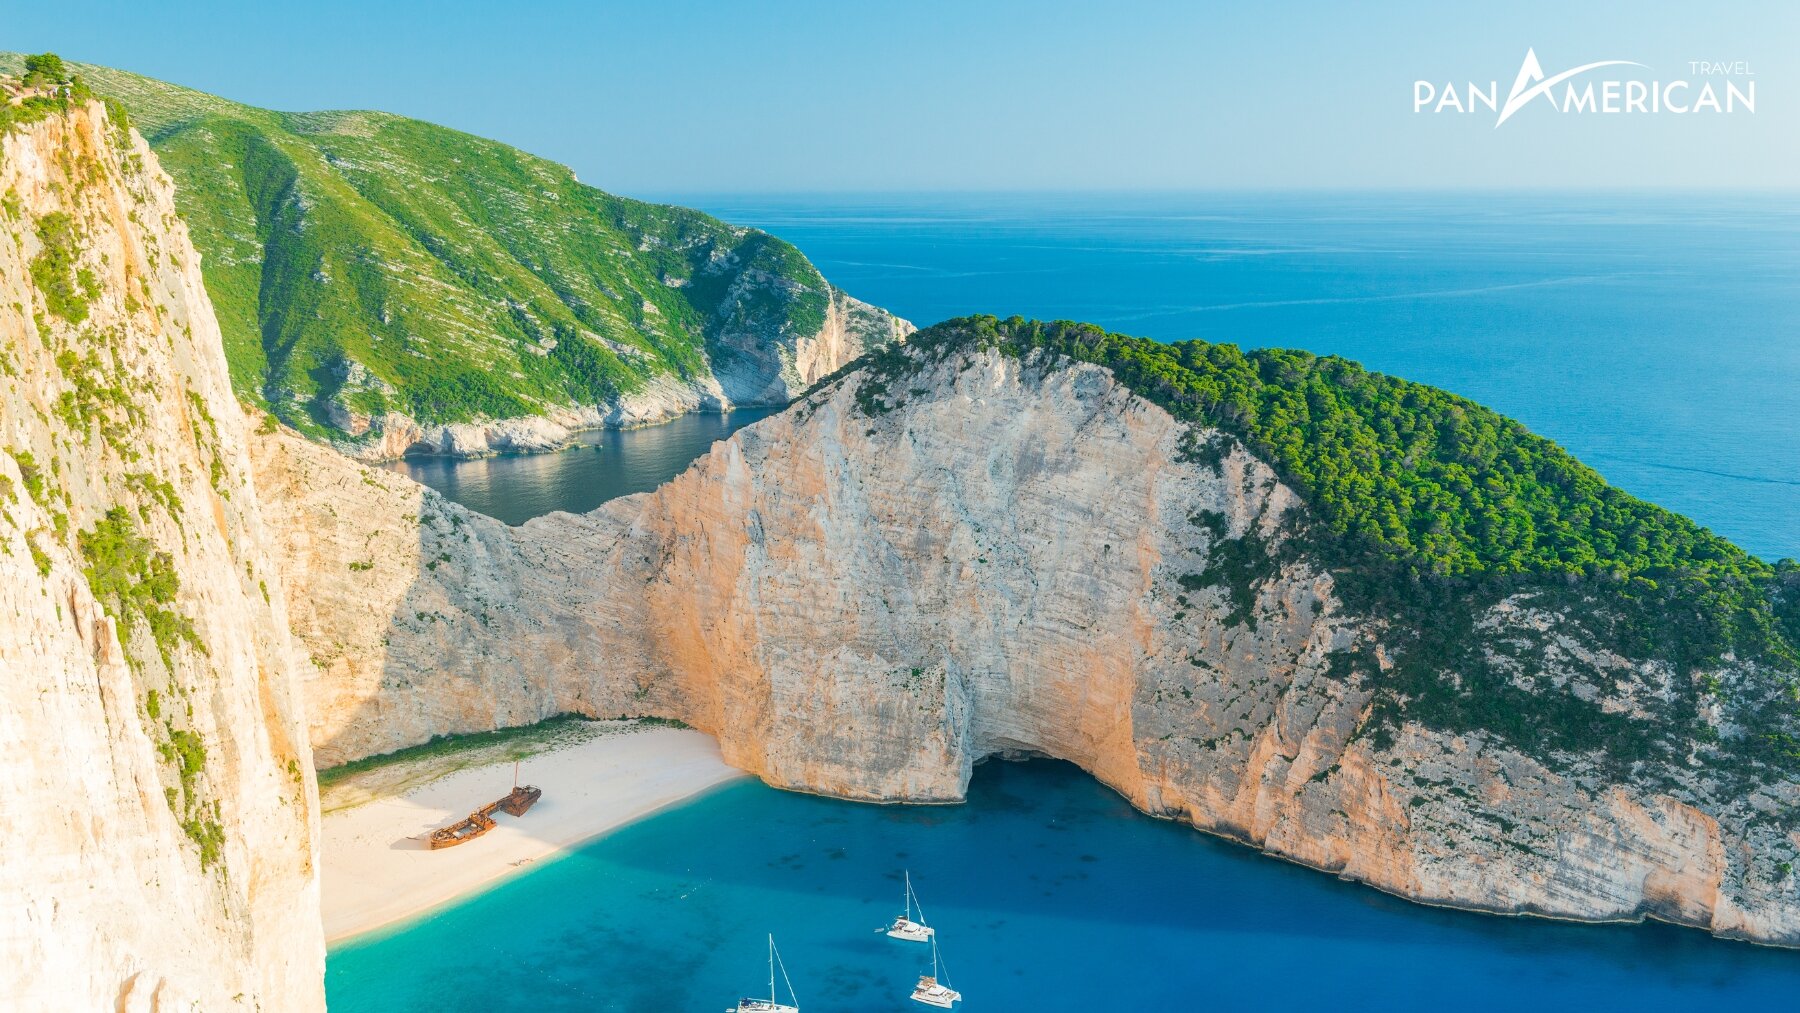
(670, 96)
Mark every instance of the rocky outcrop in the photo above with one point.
(754, 372)
(1009, 558)
(161, 833)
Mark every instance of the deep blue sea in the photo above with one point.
(1049, 894)
(1657, 337)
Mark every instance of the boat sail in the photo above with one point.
(769, 1005)
(933, 990)
(906, 927)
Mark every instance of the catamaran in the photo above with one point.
(934, 992)
(769, 1005)
(905, 927)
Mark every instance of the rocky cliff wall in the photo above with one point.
(1019, 558)
(161, 833)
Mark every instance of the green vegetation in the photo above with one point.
(522, 741)
(363, 262)
(44, 70)
(134, 582)
(1429, 509)
(1238, 565)
(209, 834)
(156, 489)
(67, 287)
(99, 398)
(54, 89)
(33, 477)
(656, 722)
(186, 752)
(39, 557)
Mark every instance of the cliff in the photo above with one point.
(967, 547)
(389, 285)
(161, 829)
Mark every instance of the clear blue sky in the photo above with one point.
(662, 97)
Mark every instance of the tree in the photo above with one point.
(45, 68)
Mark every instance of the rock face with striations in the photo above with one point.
(161, 834)
(1014, 555)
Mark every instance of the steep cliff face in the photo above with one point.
(999, 555)
(161, 833)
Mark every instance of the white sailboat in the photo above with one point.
(769, 1005)
(933, 990)
(906, 927)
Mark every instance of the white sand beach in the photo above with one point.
(378, 869)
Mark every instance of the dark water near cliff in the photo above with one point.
(1050, 894)
(604, 465)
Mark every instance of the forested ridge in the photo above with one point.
(1428, 508)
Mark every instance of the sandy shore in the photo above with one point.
(378, 870)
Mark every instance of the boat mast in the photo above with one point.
(775, 959)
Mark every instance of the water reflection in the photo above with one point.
(604, 465)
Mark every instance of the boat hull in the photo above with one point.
(522, 798)
(910, 931)
(461, 832)
(942, 998)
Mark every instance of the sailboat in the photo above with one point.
(905, 927)
(931, 990)
(769, 1005)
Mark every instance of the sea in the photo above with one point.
(1654, 335)
(1048, 893)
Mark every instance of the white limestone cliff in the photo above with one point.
(160, 822)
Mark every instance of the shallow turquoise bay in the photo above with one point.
(1050, 893)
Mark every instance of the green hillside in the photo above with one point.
(385, 263)
(1428, 509)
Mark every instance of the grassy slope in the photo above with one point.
(445, 265)
(1428, 509)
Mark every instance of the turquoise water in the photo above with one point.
(1050, 894)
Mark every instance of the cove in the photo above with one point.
(602, 465)
(1049, 893)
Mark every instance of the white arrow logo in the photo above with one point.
(1531, 82)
